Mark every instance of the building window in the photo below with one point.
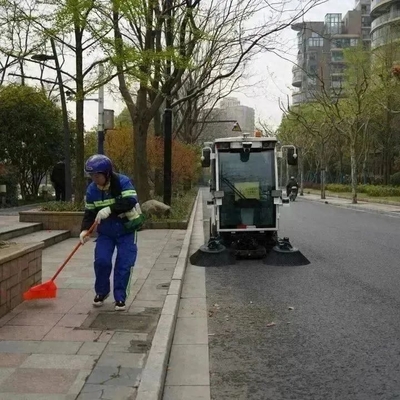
(343, 43)
(333, 24)
(315, 42)
(312, 69)
(366, 21)
(365, 8)
(337, 56)
(312, 56)
(353, 42)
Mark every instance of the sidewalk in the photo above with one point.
(64, 349)
(361, 206)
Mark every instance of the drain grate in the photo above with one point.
(137, 323)
(163, 286)
(139, 346)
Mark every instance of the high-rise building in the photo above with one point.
(320, 60)
(229, 109)
(385, 26)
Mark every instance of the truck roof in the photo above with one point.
(247, 139)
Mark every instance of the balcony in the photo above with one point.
(298, 98)
(297, 76)
(379, 39)
(377, 6)
(304, 97)
(385, 19)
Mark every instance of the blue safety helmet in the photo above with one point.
(99, 164)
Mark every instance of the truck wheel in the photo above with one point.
(213, 230)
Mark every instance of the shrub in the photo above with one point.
(395, 179)
(381, 191)
(312, 185)
(338, 188)
(9, 177)
(62, 206)
(180, 208)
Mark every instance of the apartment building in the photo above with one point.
(320, 60)
(385, 26)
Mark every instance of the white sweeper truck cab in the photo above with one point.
(245, 197)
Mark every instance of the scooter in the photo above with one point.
(293, 193)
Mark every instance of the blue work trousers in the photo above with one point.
(125, 261)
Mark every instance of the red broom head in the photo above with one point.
(47, 290)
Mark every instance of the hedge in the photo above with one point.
(369, 190)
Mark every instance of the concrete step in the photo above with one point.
(12, 231)
(49, 238)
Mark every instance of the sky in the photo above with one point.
(276, 72)
(271, 76)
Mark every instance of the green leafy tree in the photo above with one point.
(30, 134)
(309, 128)
(350, 110)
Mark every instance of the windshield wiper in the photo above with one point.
(231, 186)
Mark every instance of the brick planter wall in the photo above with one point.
(71, 221)
(68, 221)
(20, 269)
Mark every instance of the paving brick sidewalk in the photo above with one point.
(64, 349)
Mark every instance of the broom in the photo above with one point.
(48, 290)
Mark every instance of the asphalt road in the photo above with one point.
(341, 340)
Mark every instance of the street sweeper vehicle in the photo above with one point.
(245, 199)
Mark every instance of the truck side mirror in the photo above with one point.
(292, 156)
(206, 158)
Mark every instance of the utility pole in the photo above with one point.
(100, 102)
(168, 112)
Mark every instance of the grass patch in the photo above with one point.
(180, 208)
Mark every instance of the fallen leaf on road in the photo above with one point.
(210, 313)
(271, 324)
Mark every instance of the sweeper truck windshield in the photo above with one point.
(247, 180)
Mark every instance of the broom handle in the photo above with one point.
(91, 229)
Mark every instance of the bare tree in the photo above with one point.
(143, 40)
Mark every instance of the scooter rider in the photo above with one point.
(292, 182)
(110, 198)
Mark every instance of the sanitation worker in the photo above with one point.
(111, 202)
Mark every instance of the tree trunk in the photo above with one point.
(158, 173)
(140, 159)
(301, 168)
(80, 127)
(353, 161)
(364, 168)
(141, 127)
(323, 194)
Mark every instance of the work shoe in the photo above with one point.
(99, 300)
(120, 306)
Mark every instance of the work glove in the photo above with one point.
(103, 214)
(84, 237)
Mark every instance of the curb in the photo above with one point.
(355, 207)
(153, 377)
(367, 200)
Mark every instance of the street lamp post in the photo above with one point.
(67, 135)
(100, 102)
